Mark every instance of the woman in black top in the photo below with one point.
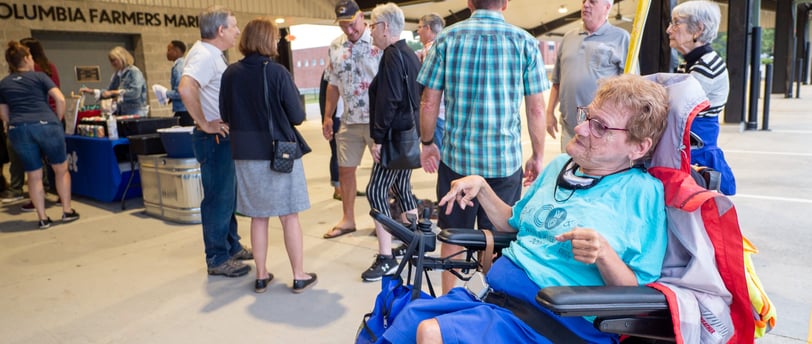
(393, 105)
(256, 121)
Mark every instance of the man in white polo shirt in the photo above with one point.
(200, 90)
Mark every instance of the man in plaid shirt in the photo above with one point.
(484, 67)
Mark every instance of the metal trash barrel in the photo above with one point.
(172, 187)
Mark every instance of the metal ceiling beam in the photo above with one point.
(554, 24)
(543, 28)
(458, 16)
(368, 5)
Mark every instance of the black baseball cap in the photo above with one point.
(346, 10)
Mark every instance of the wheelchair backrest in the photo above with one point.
(703, 271)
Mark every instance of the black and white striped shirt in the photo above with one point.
(711, 71)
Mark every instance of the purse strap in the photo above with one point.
(282, 127)
(267, 101)
(405, 77)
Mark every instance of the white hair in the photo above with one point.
(390, 14)
(701, 16)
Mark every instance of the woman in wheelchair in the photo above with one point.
(595, 217)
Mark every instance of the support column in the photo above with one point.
(785, 16)
(802, 37)
(655, 41)
(285, 57)
(738, 26)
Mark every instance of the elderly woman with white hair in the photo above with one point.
(394, 97)
(127, 84)
(694, 25)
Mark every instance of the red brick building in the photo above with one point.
(308, 64)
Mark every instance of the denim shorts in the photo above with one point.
(32, 141)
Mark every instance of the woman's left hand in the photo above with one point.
(376, 152)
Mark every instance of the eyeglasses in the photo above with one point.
(375, 24)
(596, 128)
(674, 23)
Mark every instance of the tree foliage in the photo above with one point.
(767, 44)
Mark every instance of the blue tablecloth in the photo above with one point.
(95, 170)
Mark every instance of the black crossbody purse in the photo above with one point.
(284, 152)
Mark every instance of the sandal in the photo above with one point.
(339, 232)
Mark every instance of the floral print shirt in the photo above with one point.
(351, 68)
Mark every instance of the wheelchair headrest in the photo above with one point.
(686, 99)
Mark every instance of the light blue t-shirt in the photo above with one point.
(627, 208)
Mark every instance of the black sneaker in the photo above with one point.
(243, 254)
(43, 224)
(399, 251)
(70, 217)
(382, 266)
(231, 268)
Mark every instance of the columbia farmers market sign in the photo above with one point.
(15, 11)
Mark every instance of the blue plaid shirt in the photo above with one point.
(485, 67)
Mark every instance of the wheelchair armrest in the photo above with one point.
(602, 300)
(397, 229)
(474, 239)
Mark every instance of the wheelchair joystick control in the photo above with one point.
(429, 237)
(425, 221)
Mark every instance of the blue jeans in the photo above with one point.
(30, 141)
(219, 197)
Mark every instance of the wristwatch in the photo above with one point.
(428, 143)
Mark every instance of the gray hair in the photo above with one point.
(390, 14)
(212, 19)
(434, 22)
(701, 17)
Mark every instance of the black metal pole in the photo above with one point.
(768, 85)
(799, 70)
(806, 61)
(755, 79)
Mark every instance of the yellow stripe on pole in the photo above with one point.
(640, 16)
(809, 331)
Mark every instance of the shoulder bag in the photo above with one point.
(401, 149)
(284, 152)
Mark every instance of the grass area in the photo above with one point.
(312, 98)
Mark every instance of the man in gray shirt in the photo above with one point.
(587, 54)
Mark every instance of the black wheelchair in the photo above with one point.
(636, 311)
(640, 313)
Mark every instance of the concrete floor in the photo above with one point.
(124, 277)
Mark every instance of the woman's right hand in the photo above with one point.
(86, 90)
